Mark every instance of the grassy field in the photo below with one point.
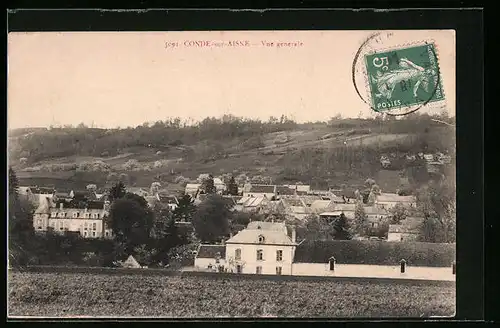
(76, 294)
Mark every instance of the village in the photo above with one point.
(268, 244)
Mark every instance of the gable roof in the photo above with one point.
(251, 236)
(252, 201)
(218, 181)
(275, 226)
(131, 262)
(268, 189)
(169, 199)
(321, 204)
(299, 210)
(210, 251)
(375, 252)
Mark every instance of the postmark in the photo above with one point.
(400, 78)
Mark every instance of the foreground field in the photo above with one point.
(71, 294)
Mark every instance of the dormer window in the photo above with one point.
(261, 239)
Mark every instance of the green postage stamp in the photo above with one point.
(403, 78)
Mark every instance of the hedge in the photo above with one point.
(376, 252)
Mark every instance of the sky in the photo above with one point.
(120, 79)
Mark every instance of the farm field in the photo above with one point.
(78, 294)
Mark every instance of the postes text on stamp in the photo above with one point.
(405, 78)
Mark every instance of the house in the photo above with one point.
(299, 212)
(252, 204)
(331, 215)
(210, 257)
(171, 201)
(143, 192)
(375, 215)
(152, 200)
(131, 263)
(192, 189)
(62, 216)
(261, 248)
(319, 206)
(269, 191)
(407, 230)
(429, 157)
(219, 185)
(271, 248)
(285, 192)
(299, 188)
(347, 209)
(389, 200)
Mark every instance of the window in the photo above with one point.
(97, 215)
(106, 234)
(401, 239)
(75, 214)
(94, 226)
(261, 239)
(279, 255)
(237, 254)
(278, 271)
(93, 233)
(39, 221)
(258, 270)
(54, 214)
(239, 268)
(260, 254)
(85, 233)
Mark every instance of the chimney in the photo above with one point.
(230, 235)
(222, 241)
(61, 205)
(294, 234)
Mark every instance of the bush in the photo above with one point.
(376, 252)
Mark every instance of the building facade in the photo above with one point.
(58, 217)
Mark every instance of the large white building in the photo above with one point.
(89, 222)
(261, 248)
(267, 248)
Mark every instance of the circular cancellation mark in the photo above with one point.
(396, 78)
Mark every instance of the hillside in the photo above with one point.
(323, 154)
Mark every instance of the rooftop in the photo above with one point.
(268, 189)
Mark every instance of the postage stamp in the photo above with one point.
(403, 78)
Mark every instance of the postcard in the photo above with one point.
(232, 174)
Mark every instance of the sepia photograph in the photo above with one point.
(232, 174)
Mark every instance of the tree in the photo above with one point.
(437, 201)
(374, 192)
(399, 213)
(208, 185)
(318, 228)
(232, 187)
(184, 210)
(131, 220)
(342, 228)
(360, 220)
(118, 191)
(211, 219)
(20, 224)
